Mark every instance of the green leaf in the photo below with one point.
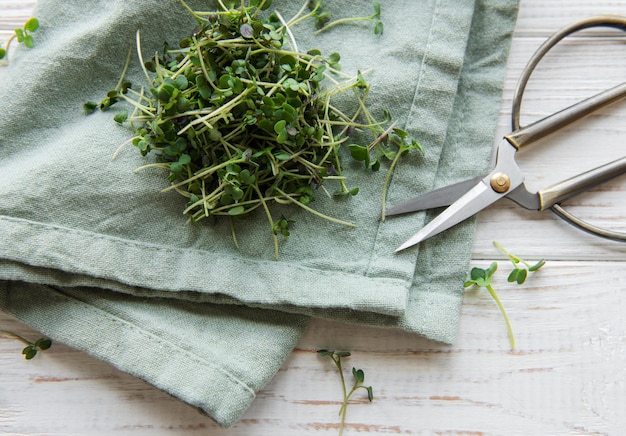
(236, 210)
(184, 159)
(360, 81)
(205, 92)
(325, 352)
(142, 145)
(521, 276)
(358, 374)
(376, 9)
(43, 343)
(164, 92)
(287, 113)
(121, 117)
(415, 145)
(536, 266)
(3, 53)
(491, 270)
(29, 352)
(359, 152)
(246, 177)
(181, 82)
(89, 107)
(282, 226)
(321, 19)
(342, 354)
(31, 25)
(481, 277)
(234, 192)
(28, 41)
(19, 35)
(370, 393)
(378, 28)
(513, 275)
(291, 84)
(176, 168)
(288, 62)
(279, 126)
(477, 273)
(284, 156)
(319, 73)
(315, 4)
(400, 133)
(334, 59)
(282, 136)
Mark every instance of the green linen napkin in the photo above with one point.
(95, 256)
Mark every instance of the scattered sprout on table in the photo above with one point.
(359, 378)
(22, 35)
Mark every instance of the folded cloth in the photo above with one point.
(95, 256)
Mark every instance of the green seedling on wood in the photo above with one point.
(22, 35)
(359, 378)
(481, 277)
(31, 348)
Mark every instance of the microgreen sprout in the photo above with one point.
(241, 120)
(31, 348)
(359, 378)
(22, 35)
(323, 18)
(482, 278)
(521, 268)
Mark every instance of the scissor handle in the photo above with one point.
(551, 197)
(525, 135)
(561, 191)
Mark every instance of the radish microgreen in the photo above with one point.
(481, 277)
(31, 348)
(521, 268)
(359, 378)
(22, 35)
(241, 120)
(323, 18)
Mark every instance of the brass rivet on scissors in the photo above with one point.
(500, 182)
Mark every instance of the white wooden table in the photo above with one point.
(567, 375)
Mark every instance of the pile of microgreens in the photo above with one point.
(22, 35)
(359, 378)
(481, 277)
(240, 119)
(31, 348)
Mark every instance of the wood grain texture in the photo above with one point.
(567, 376)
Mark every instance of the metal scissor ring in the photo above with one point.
(616, 22)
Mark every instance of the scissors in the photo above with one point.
(467, 198)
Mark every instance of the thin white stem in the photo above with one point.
(143, 67)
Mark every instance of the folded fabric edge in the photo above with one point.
(471, 129)
(264, 284)
(225, 398)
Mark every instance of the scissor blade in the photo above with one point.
(441, 197)
(475, 200)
